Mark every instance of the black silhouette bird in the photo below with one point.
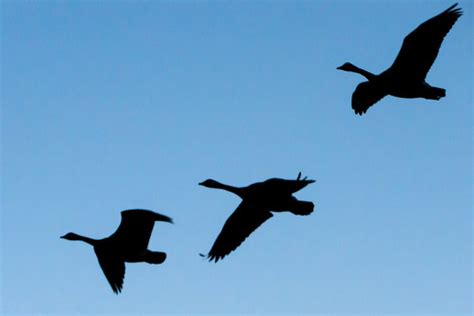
(258, 201)
(406, 77)
(128, 244)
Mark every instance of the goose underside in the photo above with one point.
(411, 91)
(294, 206)
(154, 257)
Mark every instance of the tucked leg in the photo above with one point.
(302, 207)
(154, 257)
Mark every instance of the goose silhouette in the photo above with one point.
(127, 244)
(259, 200)
(406, 76)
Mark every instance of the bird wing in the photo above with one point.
(237, 228)
(365, 95)
(283, 186)
(298, 184)
(136, 226)
(113, 268)
(421, 46)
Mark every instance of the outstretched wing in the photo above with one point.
(365, 95)
(281, 187)
(298, 184)
(421, 46)
(136, 227)
(237, 228)
(113, 268)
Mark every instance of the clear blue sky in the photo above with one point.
(115, 105)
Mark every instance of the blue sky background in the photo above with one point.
(115, 105)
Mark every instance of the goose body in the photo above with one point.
(128, 243)
(259, 200)
(406, 76)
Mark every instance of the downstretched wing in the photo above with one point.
(421, 46)
(365, 95)
(136, 227)
(114, 270)
(237, 228)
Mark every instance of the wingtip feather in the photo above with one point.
(453, 10)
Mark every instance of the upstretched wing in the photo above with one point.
(365, 95)
(113, 268)
(136, 226)
(237, 228)
(421, 46)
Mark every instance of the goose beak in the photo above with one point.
(200, 183)
(62, 236)
(340, 68)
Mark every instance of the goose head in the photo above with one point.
(211, 183)
(347, 67)
(71, 236)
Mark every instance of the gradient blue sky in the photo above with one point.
(114, 105)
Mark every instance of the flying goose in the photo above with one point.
(406, 77)
(258, 201)
(127, 244)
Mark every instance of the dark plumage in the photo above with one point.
(258, 201)
(406, 77)
(128, 244)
